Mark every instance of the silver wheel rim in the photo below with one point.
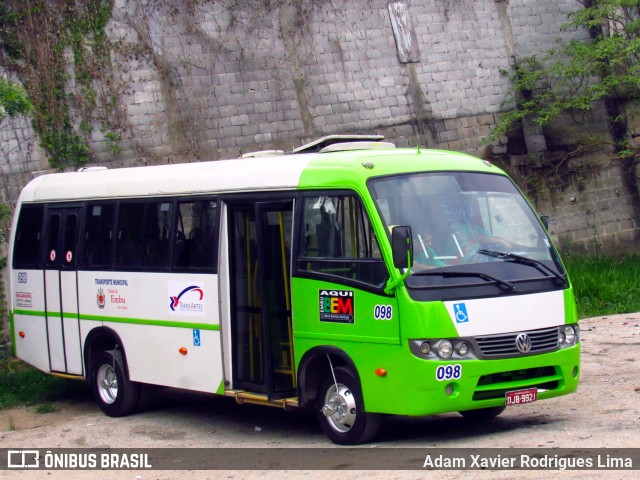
(340, 408)
(107, 381)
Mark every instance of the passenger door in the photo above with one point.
(260, 244)
(61, 289)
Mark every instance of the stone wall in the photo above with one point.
(200, 79)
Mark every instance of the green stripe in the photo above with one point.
(347, 338)
(221, 388)
(33, 313)
(134, 321)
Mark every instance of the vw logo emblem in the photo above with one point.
(523, 342)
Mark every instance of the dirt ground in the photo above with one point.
(605, 412)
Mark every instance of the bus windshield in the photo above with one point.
(466, 222)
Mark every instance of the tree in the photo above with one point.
(571, 78)
(13, 100)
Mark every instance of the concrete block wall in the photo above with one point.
(232, 81)
(200, 80)
(20, 154)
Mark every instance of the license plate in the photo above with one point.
(518, 397)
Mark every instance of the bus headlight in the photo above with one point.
(442, 348)
(568, 335)
(445, 349)
(462, 348)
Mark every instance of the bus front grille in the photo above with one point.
(495, 385)
(544, 339)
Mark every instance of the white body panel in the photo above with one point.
(225, 295)
(138, 307)
(71, 323)
(54, 320)
(489, 316)
(253, 174)
(27, 303)
(63, 328)
(32, 348)
(153, 356)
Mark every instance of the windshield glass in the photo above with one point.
(464, 219)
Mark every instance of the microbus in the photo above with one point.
(348, 276)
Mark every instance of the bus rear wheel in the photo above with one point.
(340, 410)
(115, 393)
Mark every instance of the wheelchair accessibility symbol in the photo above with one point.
(196, 338)
(460, 311)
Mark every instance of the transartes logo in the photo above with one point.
(189, 300)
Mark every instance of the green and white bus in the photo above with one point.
(348, 276)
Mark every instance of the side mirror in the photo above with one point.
(402, 247)
(545, 221)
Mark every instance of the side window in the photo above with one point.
(143, 234)
(158, 218)
(98, 236)
(70, 240)
(337, 239)
(52, 256)
(28, 238)
(130, 236)
(196, 240)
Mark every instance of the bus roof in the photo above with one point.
(281, 172)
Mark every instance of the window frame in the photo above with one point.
(298, 247)
(215, 233)
(35, 258)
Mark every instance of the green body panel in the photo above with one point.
(423, 319)
(337, 170)
(365, 328)
(425, 395)
(351, 170)
(410, 386)
(570, 307)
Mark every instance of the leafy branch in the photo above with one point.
(571, 78)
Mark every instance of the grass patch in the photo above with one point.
(45, 408)
(21, 384)
(605, 285)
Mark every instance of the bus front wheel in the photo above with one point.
(115, 393)
(340, 410)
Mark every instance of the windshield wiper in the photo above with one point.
(512, 257)
(447, 274)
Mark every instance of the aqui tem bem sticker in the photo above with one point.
(337, 306)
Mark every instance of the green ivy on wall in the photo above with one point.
(36, 39)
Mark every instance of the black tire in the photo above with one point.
(346, 422)
(112, 389)
(482, 413)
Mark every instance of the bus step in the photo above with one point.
(243, 396)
